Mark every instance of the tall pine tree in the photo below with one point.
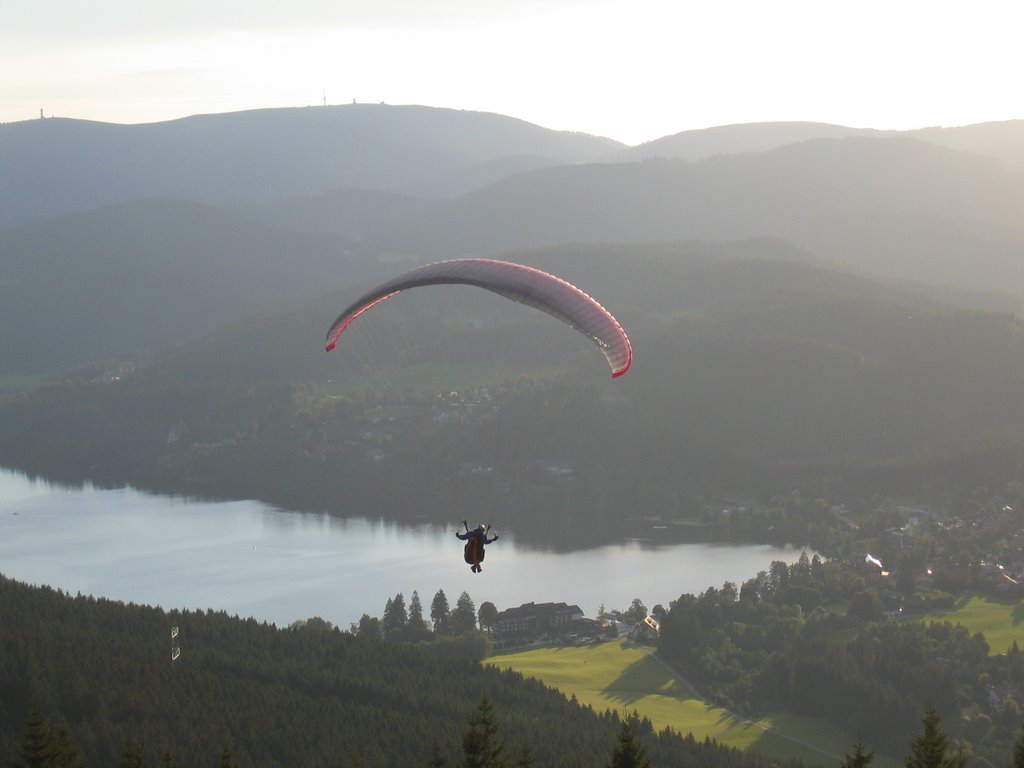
(417, 628)
(628, 752)
(440, 613)
(395, 617)
(463, 618)
(861, 757)
(1018, 748)
(481, 747)
(132, 755)
(435, 759)
(929, 749)
(45, 745)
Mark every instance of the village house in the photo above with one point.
(537, 619)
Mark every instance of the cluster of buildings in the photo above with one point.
(562, 623)
(536, 619)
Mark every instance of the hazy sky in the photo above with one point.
(631, 70)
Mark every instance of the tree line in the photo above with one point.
(101, 676)
(459, 631)
(47, 745)
(809, 638)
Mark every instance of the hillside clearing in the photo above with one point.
(999, 620)
(624, 678)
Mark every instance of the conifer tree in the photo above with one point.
(1018, 750)
(481, 747)
(415, 611)
(861, 757)
(45, 745)
(463, 618)
(368, 626)
(525, 758)
(395, 617)
(929, 749)
(440, 613)
(435, 759)
(225, 759)
(35, 741)
(132, 755)
(628, 752)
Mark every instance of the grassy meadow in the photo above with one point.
(625, 678)
(1000, 620)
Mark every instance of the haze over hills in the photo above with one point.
(58, 165)
(299, 202)
(744, 137)
(895, 207)
(1000, 140)
(132, 278)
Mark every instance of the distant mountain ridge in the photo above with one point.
(1001, 140)
(702, 143)
(53, 166)
(225, 213)
(896, 207)
(59, 165)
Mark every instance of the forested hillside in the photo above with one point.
(894, 207)
(810, 638)
(303, 696)
(751, 376)
(130, 280)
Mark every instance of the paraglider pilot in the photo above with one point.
(475, 540)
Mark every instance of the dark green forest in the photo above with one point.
(87, 681)
(100, 672)
(809, 638)
(753, 377)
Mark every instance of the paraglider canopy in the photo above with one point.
(517, 282)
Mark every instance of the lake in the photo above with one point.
(251, 559)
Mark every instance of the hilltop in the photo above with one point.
(60, 165)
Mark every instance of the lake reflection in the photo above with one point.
(250, 559)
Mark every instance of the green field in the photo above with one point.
(625, 678)
(999, 620)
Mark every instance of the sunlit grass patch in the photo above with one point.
(788, 736)
(1001, 621)
(758, 737)
(625, 678)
